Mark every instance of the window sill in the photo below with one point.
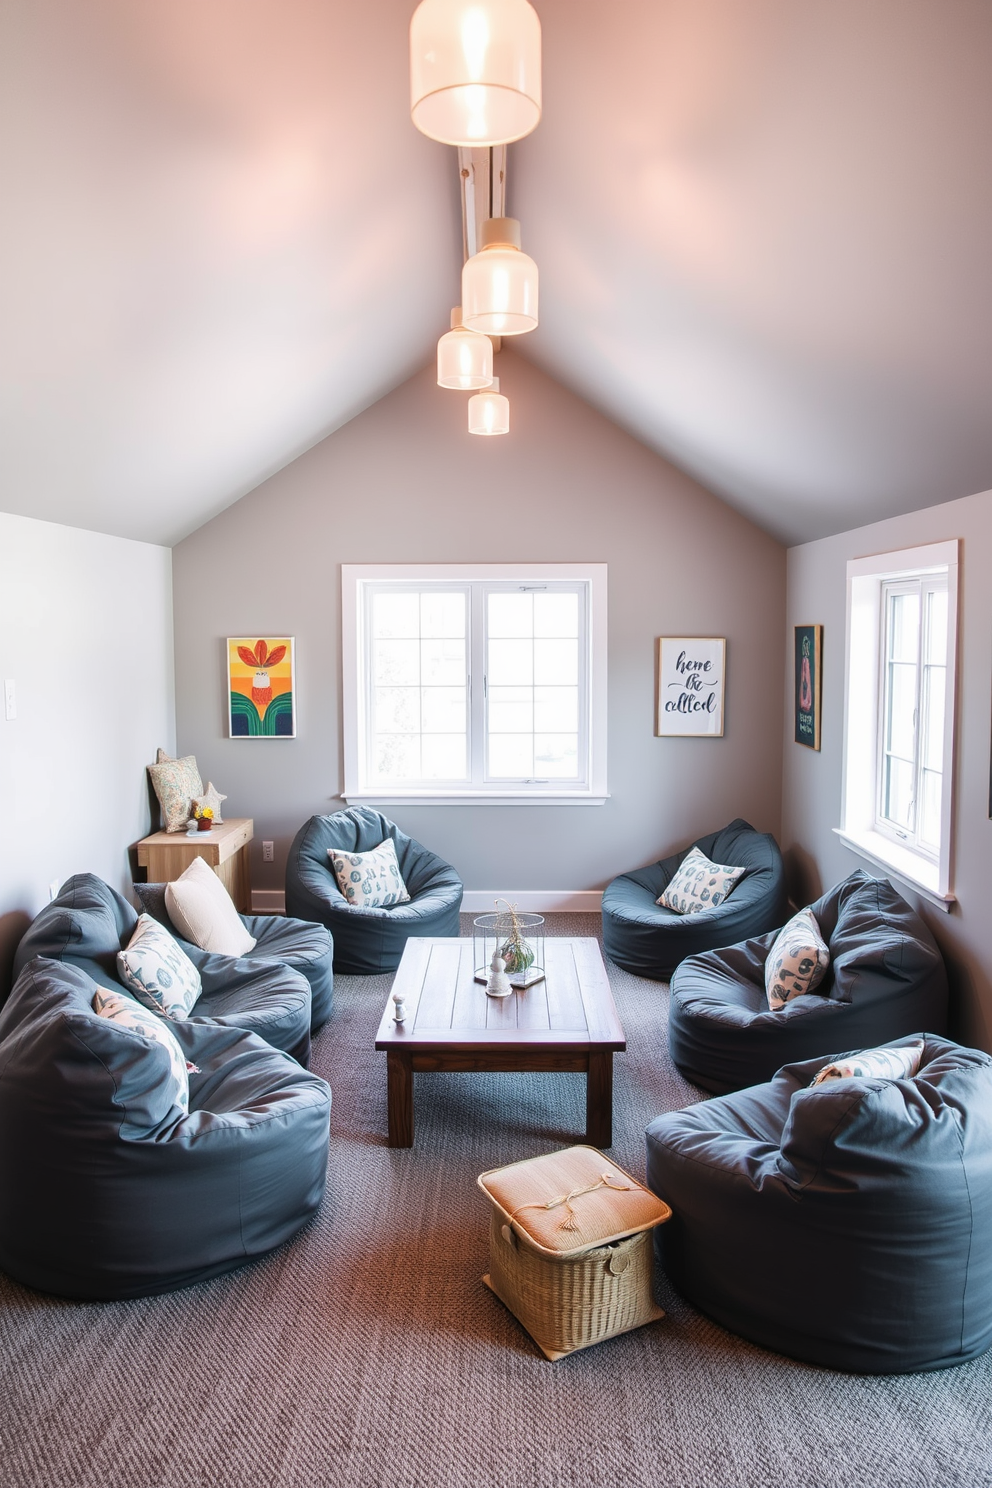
(920, 875)
(472, 798)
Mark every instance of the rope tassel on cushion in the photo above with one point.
(569, 1222)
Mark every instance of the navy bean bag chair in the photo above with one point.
(647, 939)
(849, 1226)
(90, 922)
(305, 947)
(369, 941)
(886, 978)
(107, 1189)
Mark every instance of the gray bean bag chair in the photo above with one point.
(90, 922)
(647, 939)
(305, 947)
(886, 978)
(106, 1189)
(850, 1225)
(369, 941)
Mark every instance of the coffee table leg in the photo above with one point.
(599, 1100)
(399, 1093)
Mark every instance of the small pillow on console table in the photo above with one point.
(698, 884)
(177, 783)
(203, 911)
(797, 961)
(370, 880)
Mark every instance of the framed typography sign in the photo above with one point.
(809, 651)
(690, 686)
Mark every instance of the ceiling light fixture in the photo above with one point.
(464, 358)
(489, 412)
(499, 283)
(475, 70)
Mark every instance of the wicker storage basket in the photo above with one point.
(570, 1248)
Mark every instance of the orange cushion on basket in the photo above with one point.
(566, 1202)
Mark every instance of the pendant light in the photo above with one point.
(464, 358)
(489, 412)
(499, 283)
(475, 70)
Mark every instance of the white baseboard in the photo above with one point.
(268, 901)
(477, 901)
(536, 901)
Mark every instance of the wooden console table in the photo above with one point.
(225, 848)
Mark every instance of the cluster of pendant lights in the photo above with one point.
(475, 76)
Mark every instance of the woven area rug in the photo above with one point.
(367, 1352)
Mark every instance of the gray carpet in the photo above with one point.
(367, 1352)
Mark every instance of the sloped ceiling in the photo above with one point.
(764, 229)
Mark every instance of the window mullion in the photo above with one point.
(477, 690)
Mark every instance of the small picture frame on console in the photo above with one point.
(691, 672)
(808, 658)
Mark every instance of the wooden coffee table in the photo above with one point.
(566, 1022)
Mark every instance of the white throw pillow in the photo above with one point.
(124, 1011)
(370, 880)
(158, 970)
(203, 911)
(874, 1064)
(797, 961)
(698, 884)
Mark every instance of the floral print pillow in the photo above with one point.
(158, 970)
(797, 961)
(698, 884)
(874, 1064)
(370, 880)
(126, 1013)
(177, 783)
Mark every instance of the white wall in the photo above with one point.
(405, 482)
(812, 782)
(86, 634)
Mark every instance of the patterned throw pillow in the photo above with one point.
(126, 1013)
(797, 961)
(874, 1064)
(698, 884)
(177, 782)
(158, 970)
(369, 880)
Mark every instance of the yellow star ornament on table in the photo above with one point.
(211, 798)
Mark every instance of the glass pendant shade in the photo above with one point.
(464, 358)
(499, 283)
(489, 412)
(475, 70)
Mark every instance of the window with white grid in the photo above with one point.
(484, 682)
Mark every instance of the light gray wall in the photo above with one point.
(817, 594)
(86, 635)
(405, 482)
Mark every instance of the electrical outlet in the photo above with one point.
(9, 698)
(53, 889)
(268, 852)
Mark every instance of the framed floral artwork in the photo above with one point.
(261, 687)
(808, 654)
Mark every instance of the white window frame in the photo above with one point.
(861, 828)
(358, 579)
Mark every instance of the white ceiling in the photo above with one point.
(764, 229)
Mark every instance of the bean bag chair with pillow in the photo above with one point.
(647, 939)
(89, 923)
(300, 944)
(885, 978)
(138, 1155)
(369, 938)
(849, 1224)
